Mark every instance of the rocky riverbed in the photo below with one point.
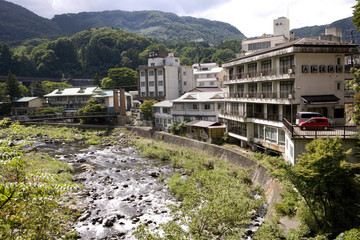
(121, 189)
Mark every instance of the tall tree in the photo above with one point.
(328, 188)
(120, 77)
(97, 81)
(13, 86)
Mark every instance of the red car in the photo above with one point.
(315, 123)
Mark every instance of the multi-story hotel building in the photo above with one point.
(278, 82)
(163, 78)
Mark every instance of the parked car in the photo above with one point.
(315, 123)
(304, 116)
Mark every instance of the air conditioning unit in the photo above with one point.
(290, 71)
(247, 95)
(261, 74)
(262, 95)
(247, 76)
(290, 96)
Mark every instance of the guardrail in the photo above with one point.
(332, 131)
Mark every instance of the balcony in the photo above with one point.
(344, 132)
(256, 115)
(262, 94)
(277, 72)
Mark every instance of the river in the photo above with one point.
(121, 189)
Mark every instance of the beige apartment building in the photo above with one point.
(278, 82)
(163, 78)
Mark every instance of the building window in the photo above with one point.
(178, 106)
(338, 86)
(237, 128)
(160, 83)
(151, 83)
(165, 110)
(258, 46)
(152, 94)
(270, 134)
(143, 94)
(209, 106)
(266, 67)
(266, 89)
(151, 73)
(281, 137)
(157, 110)
(339, 113)
(252, 87)
(212, 83)
(286, 63)
(286, 88)
(191, 106)
(142, 84)
(184, 73)
(152, 64)
(252, 69)
(161, 93)
(160, 72)
(176, 60)
(142, 73)
(184, 83)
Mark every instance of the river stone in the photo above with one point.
(85, 216)
(109, 222)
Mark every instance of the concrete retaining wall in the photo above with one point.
(259, 174)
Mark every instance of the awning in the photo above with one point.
(204, 124)
(320, 99)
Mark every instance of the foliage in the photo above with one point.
(147, 109)
(217, 197)
(354, 85)
(178, 128)
(356, 13)
(13, 87)
(120, 78)
(269, 230)
(92, 108)
(48, 86)
(97, 81)
(349, 235)
(328, 189)
(29, 191)
(221, 56)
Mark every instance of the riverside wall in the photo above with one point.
(259, 174)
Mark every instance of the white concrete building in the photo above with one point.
(208, 75)
(200, 104)
(163, 78)
(162, 114)
(275, 83)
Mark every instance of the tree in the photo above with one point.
(328, 188)
(97, 81)
(36, 89)
(120, 77)
(223, 55)
(92, 108)
(13, 86)
(51, 86)
(356, 13)
(147, 109)
(5, 58)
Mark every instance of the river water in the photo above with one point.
(121, 189)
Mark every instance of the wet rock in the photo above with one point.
(117, 170)
(119, 216)
(85, 216)
(125, 186)
(81, 160)
(109, 222)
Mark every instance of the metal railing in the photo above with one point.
(260, 94)
(332, 131)
(263, 72)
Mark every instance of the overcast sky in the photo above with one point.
(251, 17)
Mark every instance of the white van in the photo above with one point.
(304, 116)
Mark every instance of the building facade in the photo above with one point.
(163, 114)
(275, 83)
(163, 78)
(209, 75)
(199, 104)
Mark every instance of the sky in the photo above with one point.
(251, 17)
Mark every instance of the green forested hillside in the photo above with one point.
(345, 24)
(18, 24)
(96, 50)
(153, 24)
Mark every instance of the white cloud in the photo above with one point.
(251, 17)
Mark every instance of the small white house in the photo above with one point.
(162, 114)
